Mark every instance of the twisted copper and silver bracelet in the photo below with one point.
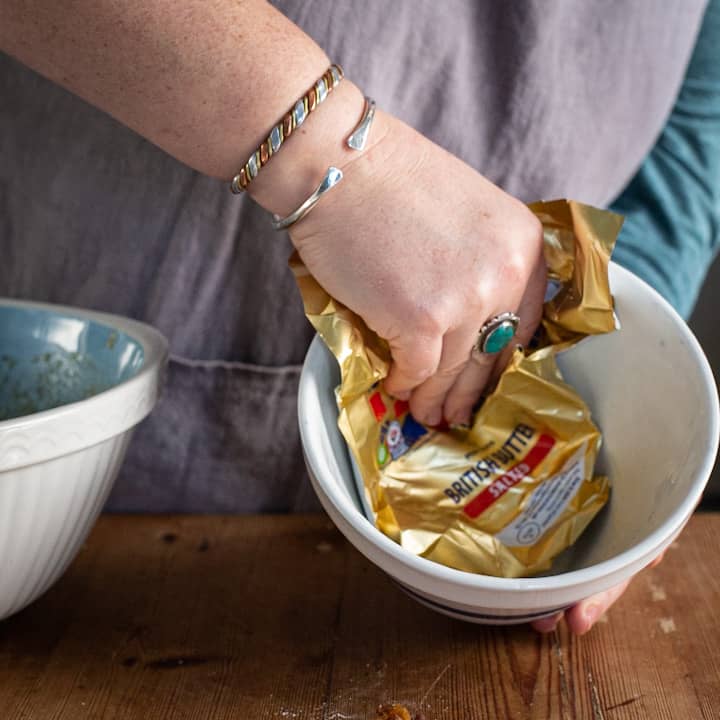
(292, 119)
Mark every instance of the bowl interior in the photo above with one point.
(50, 358)
(651, 392)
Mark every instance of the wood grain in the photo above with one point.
(277, 617)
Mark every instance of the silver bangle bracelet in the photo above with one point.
(356, 141)
(358, 137)
(332, 177)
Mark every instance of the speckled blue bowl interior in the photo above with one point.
(48, 359)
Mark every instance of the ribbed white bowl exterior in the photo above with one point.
(58, 466)
(46, 512)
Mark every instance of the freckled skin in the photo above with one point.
(420, 245)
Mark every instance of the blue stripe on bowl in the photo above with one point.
(527, 617)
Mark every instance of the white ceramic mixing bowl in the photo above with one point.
(73, 384)
(651, 392)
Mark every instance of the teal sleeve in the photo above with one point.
(672, 206)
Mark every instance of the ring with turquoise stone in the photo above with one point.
(496, 333)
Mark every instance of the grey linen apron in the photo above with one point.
(548, 98)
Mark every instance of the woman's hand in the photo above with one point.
(426, 250)
(580, 618)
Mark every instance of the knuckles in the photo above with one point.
(470, 289)
(421, 373)
(453, 369)
(423, 321)
(522, 256)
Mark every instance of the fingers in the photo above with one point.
(415, 358)
(547, 624)
(438, 376)
(426, 402)
(479, 374)
(483, 370)
(468, 387)
(530, 313)
(581, 617)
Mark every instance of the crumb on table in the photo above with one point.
(393, 712)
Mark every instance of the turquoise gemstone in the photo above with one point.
(499, 337)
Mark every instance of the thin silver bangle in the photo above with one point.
(332, 177)
(358, 137)
(356, 141)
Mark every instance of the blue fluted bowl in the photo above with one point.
(73, 384)
(48, 359)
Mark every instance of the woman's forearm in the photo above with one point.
(203, 79)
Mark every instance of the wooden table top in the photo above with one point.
(278, 617)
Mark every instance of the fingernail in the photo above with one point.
(434, 417)
(591, 615)
(402, 395)
(460, 418)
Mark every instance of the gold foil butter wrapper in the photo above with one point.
(505, 496)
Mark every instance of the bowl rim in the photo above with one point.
(62, 423)
(565, 581)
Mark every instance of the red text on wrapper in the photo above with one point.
(498, 487)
